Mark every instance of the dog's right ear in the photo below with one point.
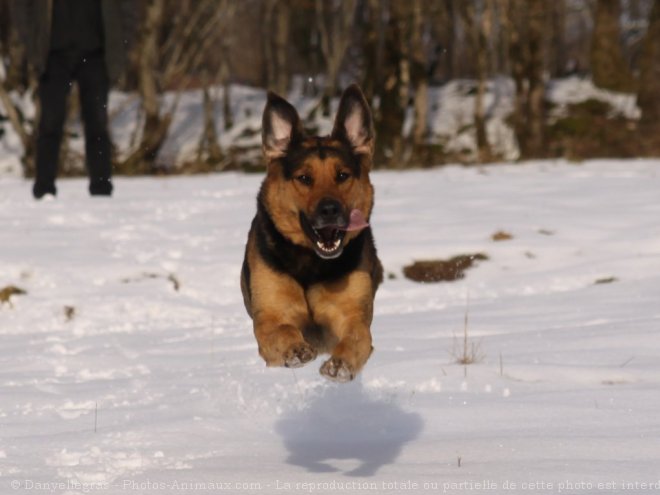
(280, 127)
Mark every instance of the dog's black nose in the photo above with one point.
(329, 212)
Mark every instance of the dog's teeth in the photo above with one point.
(326, 249)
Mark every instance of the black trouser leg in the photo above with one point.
(93, 85)
(54, 87)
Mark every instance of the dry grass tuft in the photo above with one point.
(466, 351)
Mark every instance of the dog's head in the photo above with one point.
(317, 189)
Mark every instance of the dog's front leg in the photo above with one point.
(345, 308)
(279, 313)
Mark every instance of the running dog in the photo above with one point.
(311, 271)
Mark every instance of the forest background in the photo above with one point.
(499, 57)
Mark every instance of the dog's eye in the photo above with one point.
(304, 179)
(343, 177)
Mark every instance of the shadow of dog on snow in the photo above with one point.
(343, 424)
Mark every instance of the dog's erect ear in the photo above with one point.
(280, 126)
(353, 122)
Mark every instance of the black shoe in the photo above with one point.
(100, 187)
(41, 189)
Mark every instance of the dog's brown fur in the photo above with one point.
(302, 304)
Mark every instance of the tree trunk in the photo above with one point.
(524, 24)
(503, 65)
(478, 27)
(557, 51)
(608, 66)
(333, 23)
(282, 28)
(209, 148)
(226, 96)
(11, 48)
(17, 78)
(535, 65)
(648, 97)
(451, 68)
(419, 76)
(18, 123)
(156, 126)
(396, 78)
(269, 54)
(14, 116)
(372, 29)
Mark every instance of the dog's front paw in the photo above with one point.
(337, 370)
(298, 355)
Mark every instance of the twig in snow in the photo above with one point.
(627, 362)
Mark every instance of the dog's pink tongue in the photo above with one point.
(357, 220)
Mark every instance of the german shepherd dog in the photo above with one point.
(311, 272)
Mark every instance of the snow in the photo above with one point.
(451, 118)
(575, 89)
(148, 389)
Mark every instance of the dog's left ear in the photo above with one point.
(353, 123)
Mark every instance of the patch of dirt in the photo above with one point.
(69, 313)
(501, 235)
(7, 292)
(442, 270)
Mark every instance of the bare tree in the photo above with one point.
(373, 34)
(419, 74)
(557, 38)
(16, 77)
(12, 51)
(394, 91)
(209, 150)
(277, 21)
(450, 45)
(524, 23)
(477, 18)
(156, 125)
(170, 48)
(648, 97)
(334, 22)
(20, 127)
(608, 65)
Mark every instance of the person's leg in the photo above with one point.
(93, 84)
(54, 87)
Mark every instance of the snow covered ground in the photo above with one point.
(141, 388)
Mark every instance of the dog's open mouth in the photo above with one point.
(328, 241)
